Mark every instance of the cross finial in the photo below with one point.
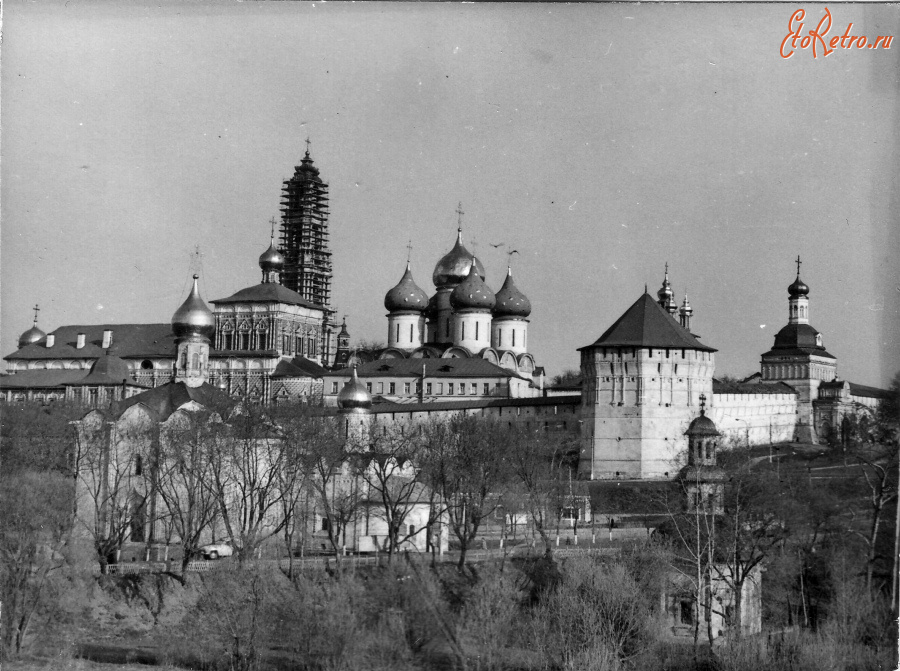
(702, 404)
(36, 310)
(272, 221)
(460, 213)
(798, 265)
(408, 251)
(667, 269)
(307, 145)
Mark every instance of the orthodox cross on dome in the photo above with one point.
(36, 310)
(798, 265)
(307, 145)
(272, 221)
(667, 270)
(460, 213)
(702, 404)
(408, 251)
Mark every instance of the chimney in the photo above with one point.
(79, 343)
(107, 339)
(50, 339)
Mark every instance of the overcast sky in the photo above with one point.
(600, 141)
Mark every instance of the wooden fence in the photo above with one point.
(321, 563)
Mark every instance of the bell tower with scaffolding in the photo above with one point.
(304, 234)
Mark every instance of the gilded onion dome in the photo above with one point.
(686, 308)
(31, 336)
(406, 295)
(354, 395)
(454, 266)
(472, 292)
(193, 317)
(798, 288)
(271, 259)
(510, 301)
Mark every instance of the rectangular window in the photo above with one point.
(514, 338)
(462, 331)
(440, 388)
(326, 524)
(410, 332)
(487, 388)
(406, 387)
(381, 387)
(476, 330)
(397, 337)
(428, 388)
(473, 388)
(450, 386)
(334, 387)
(392, 387)
(369, 387)
(686, 612)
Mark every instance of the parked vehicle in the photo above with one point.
(217, 550)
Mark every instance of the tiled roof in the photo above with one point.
(167, 398)
(40, 379)
(268, 292)
(720, 387)
(646, 324)
(131, 341)
(298, 367)
(434, 368)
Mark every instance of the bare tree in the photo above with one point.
(184, 479)
(108, 464)
(540, 463)
(246, 465)
(391, 470)
(467, 462)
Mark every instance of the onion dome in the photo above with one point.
(271, 260)
(406, 295)
(665, 294)
(510, 301)
(354, 395)
(798, 288)
(31, 336)
(686, 308)
(193, 317)
(473, 292)
(454, 266)
(702, 426)
(307, 169)
(431, 312)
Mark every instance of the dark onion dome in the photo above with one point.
(31, 336)
(307, 169)
(271, 259)
(702, 426)
(472, 293)
(798, 288)
(354, 395)
(431, 312)
(406, 295)
(510, 301)
(454, 266)
(193, 317)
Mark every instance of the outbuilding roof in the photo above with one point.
(647, 324)
(167, 398)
